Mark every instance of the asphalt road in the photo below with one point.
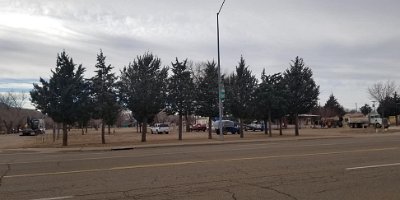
(346, 168)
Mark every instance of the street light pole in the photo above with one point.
(220, 106)
(373, 105)
(397, 115)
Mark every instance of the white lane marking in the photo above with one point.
(133, 156)
(52, 152)
(195, 162)
(55, 198)
(262, 144)
(373, 166)
(246, 147)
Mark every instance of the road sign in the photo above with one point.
(222, 93)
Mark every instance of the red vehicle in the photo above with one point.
(198, 127)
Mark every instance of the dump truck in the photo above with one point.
(34, 126)
(362, 121)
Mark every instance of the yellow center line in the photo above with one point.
(195, 162)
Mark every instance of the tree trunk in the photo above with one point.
(86, 129)
(103, 138)
(144, 130)
(58, 131)
(296, 132)
(180, 126)
(54, 132)
(109, 129)
(65, 135)
(280, 126)
(269, 124)
(266, 126)
(8, 126)
(383, 116)
(209, 128)
(187, 118)
(241, 130)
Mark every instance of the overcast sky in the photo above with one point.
(348, 44)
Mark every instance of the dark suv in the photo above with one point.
(228, 126)
(198, 127)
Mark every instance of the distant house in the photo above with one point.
(309, 120)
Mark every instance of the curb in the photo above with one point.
(164, 145)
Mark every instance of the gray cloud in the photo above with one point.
(348, 44)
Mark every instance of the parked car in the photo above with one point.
(159, 128)
(255, 126)
(228, 126)
(198, 127)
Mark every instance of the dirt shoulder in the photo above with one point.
(130, 137)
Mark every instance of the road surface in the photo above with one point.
(342, 168)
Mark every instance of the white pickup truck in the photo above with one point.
(159, 128)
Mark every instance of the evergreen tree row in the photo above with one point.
(145, 88)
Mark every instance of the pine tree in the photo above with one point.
(302, 92)
(86, 106)
(389, 106)
(106, 106)
(333, 108)
(62, 96)
(143, 88)
(241, 93)
(206, 103)
(365, 109)
(180, 88)
(270, 101)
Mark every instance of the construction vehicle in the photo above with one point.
(332, 122)
(34, 126)
(362, 121)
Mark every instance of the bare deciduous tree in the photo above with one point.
(11, 104)
(380, 90)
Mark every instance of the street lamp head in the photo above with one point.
(221, 7)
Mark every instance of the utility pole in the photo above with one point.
(221, 93)
(373, 105)
(397, 115)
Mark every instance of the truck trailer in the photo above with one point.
(363, 121)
